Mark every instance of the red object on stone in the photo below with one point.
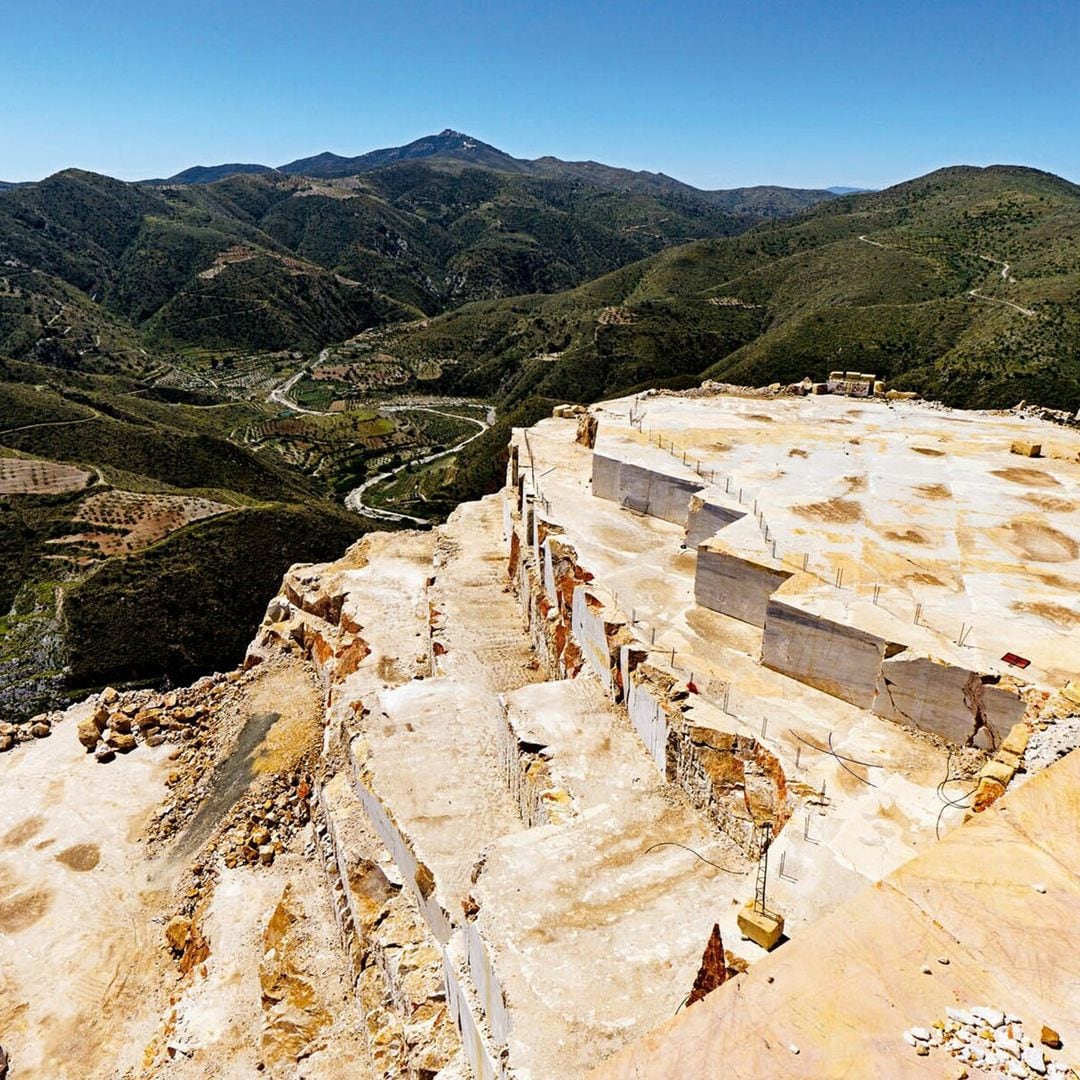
(713, 969)
(1016, 661)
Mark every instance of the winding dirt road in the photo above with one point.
(355, 499)
(974, 293)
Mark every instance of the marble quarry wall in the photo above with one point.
(735, 586)
(834, 657)
(962, 706)
(734, 779)
(705, 519)
(890, 680)
(644, 490)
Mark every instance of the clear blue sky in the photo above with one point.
(798, 92)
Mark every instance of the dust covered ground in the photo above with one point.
(161, 913)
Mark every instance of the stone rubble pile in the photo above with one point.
(991, 1041)
(1038, 412)
(263, 822)
(37, 727)
(1056, 729)
(710, 389)
(120, 722)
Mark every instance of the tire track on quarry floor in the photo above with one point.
(231, 777)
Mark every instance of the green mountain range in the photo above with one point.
(140, 533)
(101, 274)
(963, 285)
(454, 149)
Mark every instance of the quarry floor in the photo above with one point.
(936, 531)
(88, 985)
(881, 782)
(983, 919)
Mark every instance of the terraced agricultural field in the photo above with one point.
(122, 522)
(227, 374)
(360, 366)
(31, 476)
(320, 444)
(345, 447)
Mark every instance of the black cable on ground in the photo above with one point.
(675, 843)
(848, 768)
(947, 803)
(835, 754)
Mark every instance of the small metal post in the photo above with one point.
(877, 593)
(764, 725)
(798, 757)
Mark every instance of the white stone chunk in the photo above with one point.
(1010, 1046)
(1034, 1060)
(994, 1017)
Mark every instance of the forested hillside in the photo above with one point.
(963, 285)
(99, 274)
